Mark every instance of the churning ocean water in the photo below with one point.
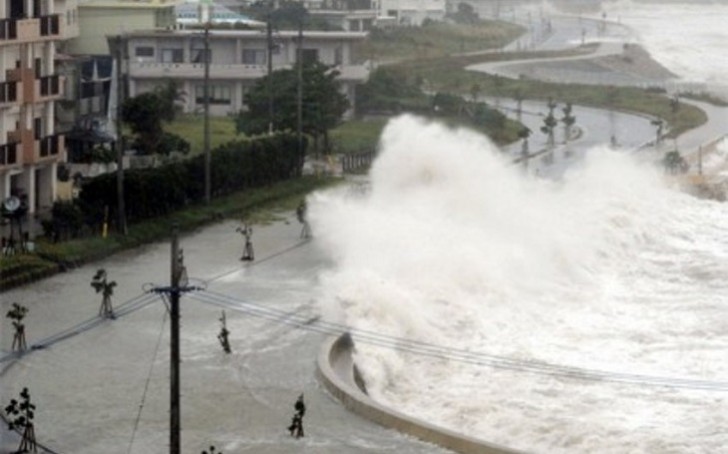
(584, 315)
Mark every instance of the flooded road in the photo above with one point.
(106, 389)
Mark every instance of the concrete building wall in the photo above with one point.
(413, 12)
(31, 147)
(238, 60)
(99, 19)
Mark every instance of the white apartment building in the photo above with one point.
(238, 59)
(30, 148)
(412, 12)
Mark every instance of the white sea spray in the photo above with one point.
(607, 269)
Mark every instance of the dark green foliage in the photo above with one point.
(67, 221)
(524, 133)
(20, 413)
(674, 163)
(492, 119)
(447, 104)
(465, 14)
(289, 15)
(17, 313)
(390, 89)
(101, 285)
(145, 113)
(322, 105)
(153, 192)
(142, 114)
(165, 144)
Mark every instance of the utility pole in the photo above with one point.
(178, 285)
(269, 85)
(206, 92)
(174, 399)
(299, 94)
(119, 144)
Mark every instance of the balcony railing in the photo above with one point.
(8, 29)
(8, 92)
(50, 25)
(49, 86)
(30, 29)
(50, 145)
(8, 154)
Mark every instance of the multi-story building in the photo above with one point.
(237, 59)
(84, 112)
(98, 18)
(30, 147)
(412, 12)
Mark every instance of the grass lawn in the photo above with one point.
(437, 39)
(191, 127)
(448, 74)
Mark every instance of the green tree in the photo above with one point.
(145, 114)
(169, 95)
(106, 288)
(289, 15)
(659, 125)
(550, 122)
(323, 104)
(523, 134)
(568, 120)
(674, 163)
(475, 92)
(465, 14)
(390, 89)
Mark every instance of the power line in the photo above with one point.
(146, 383)
(129, 306)
(454, 354)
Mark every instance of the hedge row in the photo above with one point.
(153, 192)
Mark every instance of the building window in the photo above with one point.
(338, 56)
(172, 55)
(144, 51)
(254, 57)
(219, 94)
(309, 55)
(37, 128)
(198, 55)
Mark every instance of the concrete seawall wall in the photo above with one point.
(337, 372)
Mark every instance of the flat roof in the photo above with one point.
(128, 4)
(311, 34)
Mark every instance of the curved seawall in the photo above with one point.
(338, 373)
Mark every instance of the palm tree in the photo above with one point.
(17, 314)
(475, 92)
(659, 125)
(568, 119)
(674, 163)
(20, 416)
(101, 285)
(523, 134)
(518, 96)
(549, 123)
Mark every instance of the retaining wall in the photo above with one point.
(337, 372)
